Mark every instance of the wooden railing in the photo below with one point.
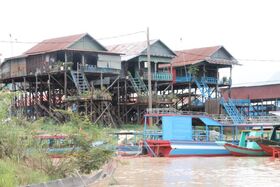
(93, 69)
(159, 76)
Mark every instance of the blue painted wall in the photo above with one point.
(177, 128)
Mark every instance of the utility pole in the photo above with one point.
(149, 72)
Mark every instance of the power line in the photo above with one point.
(122, 35)
(49, 42)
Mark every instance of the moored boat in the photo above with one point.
(186, 135)
(246, 146)
(273, 140)
(243, 151)
(275, 151)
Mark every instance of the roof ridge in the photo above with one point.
(82, 34)
(57, 43)
(216, 46)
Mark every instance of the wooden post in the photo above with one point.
(217, 77)
(118, 95)
(50, 95)
(230, 82)
(125, 95)
(36, 95)
(65, 77)
(78, 68)
(101, 80)
(149, 73)
(25, 95)
(171, 71)
(190, 97)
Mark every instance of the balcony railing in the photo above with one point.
(241, 102)
(183, 79)
(225, 81)
(93, 69)
(209, 80)
(160, 76)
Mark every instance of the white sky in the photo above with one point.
(248, 29)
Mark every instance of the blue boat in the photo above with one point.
(186, 135)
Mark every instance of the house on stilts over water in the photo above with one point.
(64, 73)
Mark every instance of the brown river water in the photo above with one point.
(197, 171)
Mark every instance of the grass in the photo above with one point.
(18, 166)
(13, 174)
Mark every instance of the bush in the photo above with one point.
(92, 159)
(24, 159)
(13, 142)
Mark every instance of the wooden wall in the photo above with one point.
(18, 67)
(6, 70)
(36, 62)
(212, 106)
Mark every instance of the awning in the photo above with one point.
(209, 121)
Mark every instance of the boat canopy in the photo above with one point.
(209, 121)
(181, 127)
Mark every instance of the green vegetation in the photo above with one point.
(193, 70)
(24, 159)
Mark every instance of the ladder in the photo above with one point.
(204, 89)
(232, 111)
(80, 81)
(138, 84)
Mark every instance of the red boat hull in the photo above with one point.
(166, 148)
(161, 148)
(266, 149)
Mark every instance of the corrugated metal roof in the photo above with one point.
(54, 44)
(131, 50)
(197, 55)
(265, 92)
(193, 56)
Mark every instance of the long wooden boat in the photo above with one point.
(247, 146)
(273, 140)
(266, 145)
(243, 151)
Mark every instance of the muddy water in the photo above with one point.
(197, 171)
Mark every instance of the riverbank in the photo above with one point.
(197, 171)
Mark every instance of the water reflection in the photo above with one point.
(198, 171)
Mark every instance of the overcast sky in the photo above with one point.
(248, 29)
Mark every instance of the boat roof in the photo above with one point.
(266, 125)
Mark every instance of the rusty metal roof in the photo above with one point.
(132, 50)
(265, 92)
(197, 55)
(54, 44)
